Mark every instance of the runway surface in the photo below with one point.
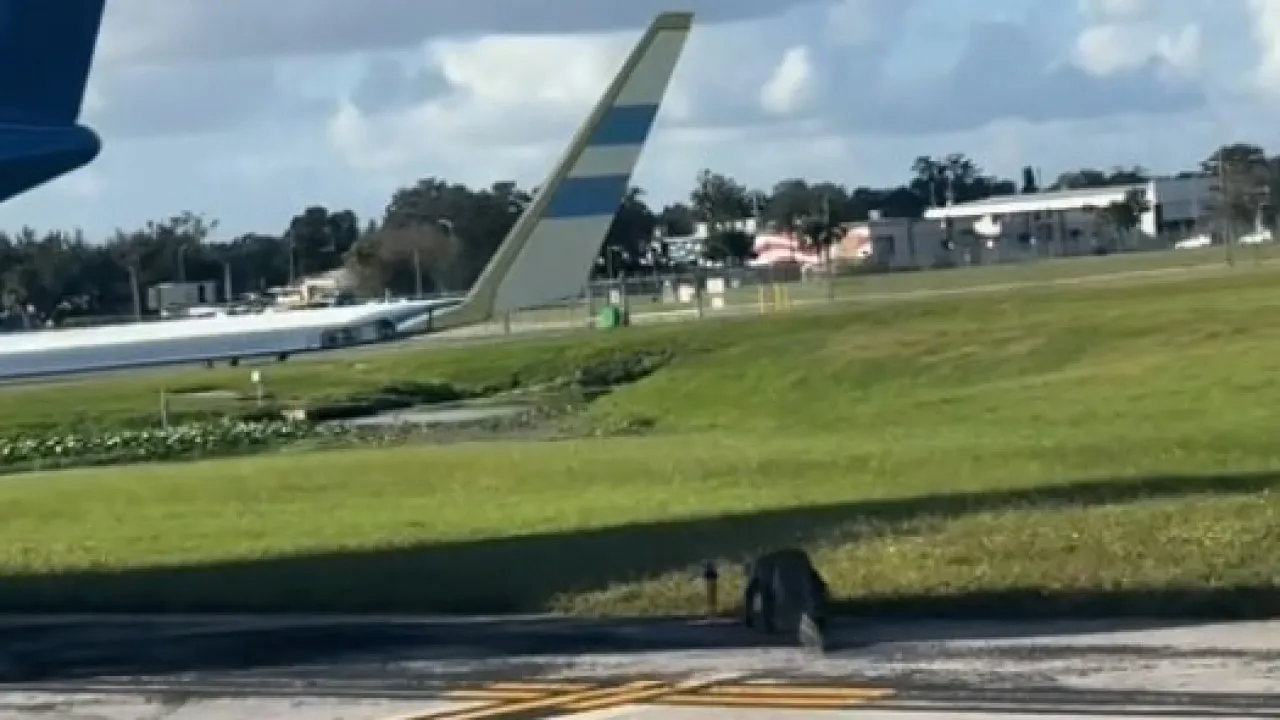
(325, 668)
(517, 330)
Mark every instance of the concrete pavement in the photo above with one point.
(326, 668)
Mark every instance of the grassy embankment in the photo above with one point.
(1066, 451)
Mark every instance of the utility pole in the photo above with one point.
(449, 259)
(293, 262)
(1224, 209)
(226, 281)
(828, 239)
(137, 292)
(1266, 220)
(417, 273)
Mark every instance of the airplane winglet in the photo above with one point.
(549, 252)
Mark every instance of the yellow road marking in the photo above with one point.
(637, 696)
(553, 701)
(800, 691)
(776, 702)
(512, 698)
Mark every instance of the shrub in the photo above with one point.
(218, 437)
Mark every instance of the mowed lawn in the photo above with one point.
(1056, 451)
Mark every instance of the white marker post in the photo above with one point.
(255, 377)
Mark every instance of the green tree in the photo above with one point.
(630, 237)
(732, 247)
(1243, 182)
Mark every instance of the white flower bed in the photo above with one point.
(209, 438)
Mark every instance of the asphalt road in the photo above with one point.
(321, 668)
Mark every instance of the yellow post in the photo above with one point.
(777, 295)
(760, 299)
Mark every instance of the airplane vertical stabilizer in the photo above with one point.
(548, 255)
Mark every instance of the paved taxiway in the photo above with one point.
(325, 668)
(496, 333)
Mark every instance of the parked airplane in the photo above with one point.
(46, 50)
(546, 257)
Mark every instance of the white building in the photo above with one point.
(891, 242)
(1066, 222)
(170, 297)
(998, 229)
(1017, 227)
(688, 249)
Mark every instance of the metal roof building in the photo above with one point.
(1171, 200)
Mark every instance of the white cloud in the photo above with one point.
(151, 31)
(264, 106)
(1115, 47)
(1125, 37)
(1266, 28)
(1181, 49)
(512, 101)
(543, 71)
(1109, 48)
(792, 85)
(508, 100)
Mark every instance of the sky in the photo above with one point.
(247, 111)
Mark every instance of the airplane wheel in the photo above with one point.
(282, 357)
(385, 330)
(234, 362)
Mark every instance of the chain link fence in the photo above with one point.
(710, 293)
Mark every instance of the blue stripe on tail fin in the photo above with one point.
(549, 252)
(46, 50)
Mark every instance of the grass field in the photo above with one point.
(1056, 451)
(136, 401)
(854, 287)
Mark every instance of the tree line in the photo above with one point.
(435, 236)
